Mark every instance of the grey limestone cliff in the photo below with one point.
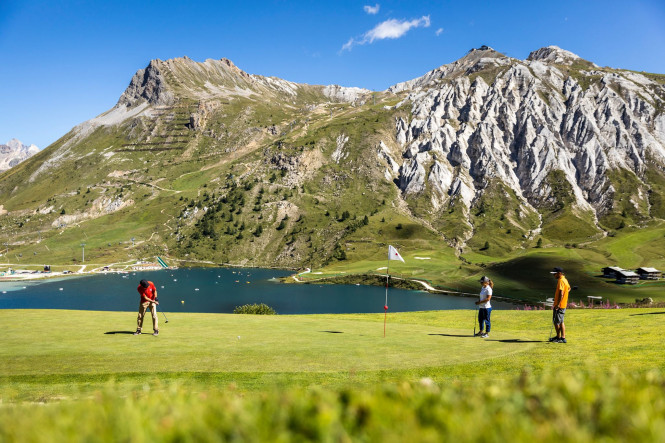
(488, 117)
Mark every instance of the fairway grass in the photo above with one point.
(214, 343)
(228, 377)
(43, 347)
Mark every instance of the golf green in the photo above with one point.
(68, 350)
(95, 342)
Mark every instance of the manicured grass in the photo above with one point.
(80, 376)
(51, 351)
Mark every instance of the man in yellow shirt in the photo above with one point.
(559, 306)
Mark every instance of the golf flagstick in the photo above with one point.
(385, 306)
(392, 255)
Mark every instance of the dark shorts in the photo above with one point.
(557, 315)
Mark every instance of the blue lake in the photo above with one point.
(219, 290)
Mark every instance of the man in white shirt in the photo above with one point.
(484, 307)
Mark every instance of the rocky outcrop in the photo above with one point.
(339, 153)
(487, 117)
(344, 94)
(556, 55)
(14, 152)
(100, 207)
(148, 85)
(198, 119)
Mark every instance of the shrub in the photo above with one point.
(257, 309)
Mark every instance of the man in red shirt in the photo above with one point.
(148, 293)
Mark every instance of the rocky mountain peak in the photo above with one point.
(161, 83)
(14, 152)
(148, 85)
(555, 55)
(484, 49)
(16, 145)
(228, 63)
(475, 60)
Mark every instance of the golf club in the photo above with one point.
(166, 319)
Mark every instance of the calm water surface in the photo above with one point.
(219, 290)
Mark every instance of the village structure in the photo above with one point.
(625, 276)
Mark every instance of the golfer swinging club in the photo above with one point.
(148, 293)
(559, 305)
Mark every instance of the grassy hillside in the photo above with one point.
(317, 377)
(523, 274)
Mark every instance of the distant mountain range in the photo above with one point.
(14, 152)
(488, 154)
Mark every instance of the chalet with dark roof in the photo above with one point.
(627, 277)
(611, 271)
(649, 273)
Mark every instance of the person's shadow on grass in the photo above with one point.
(648, 313)
(455, 335)
(118, 332)
(518, 340)
(511, 340)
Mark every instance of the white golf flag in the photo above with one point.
(393, 254)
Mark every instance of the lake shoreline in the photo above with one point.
(221, 290)
(394, 282)
(351, 279)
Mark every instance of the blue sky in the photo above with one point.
(64, 62)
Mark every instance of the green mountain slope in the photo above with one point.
(202, 162)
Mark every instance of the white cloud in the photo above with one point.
(348, 45)
(372, 10)
(391, 29)
(439, 31)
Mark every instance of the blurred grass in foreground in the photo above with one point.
(581, 406)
